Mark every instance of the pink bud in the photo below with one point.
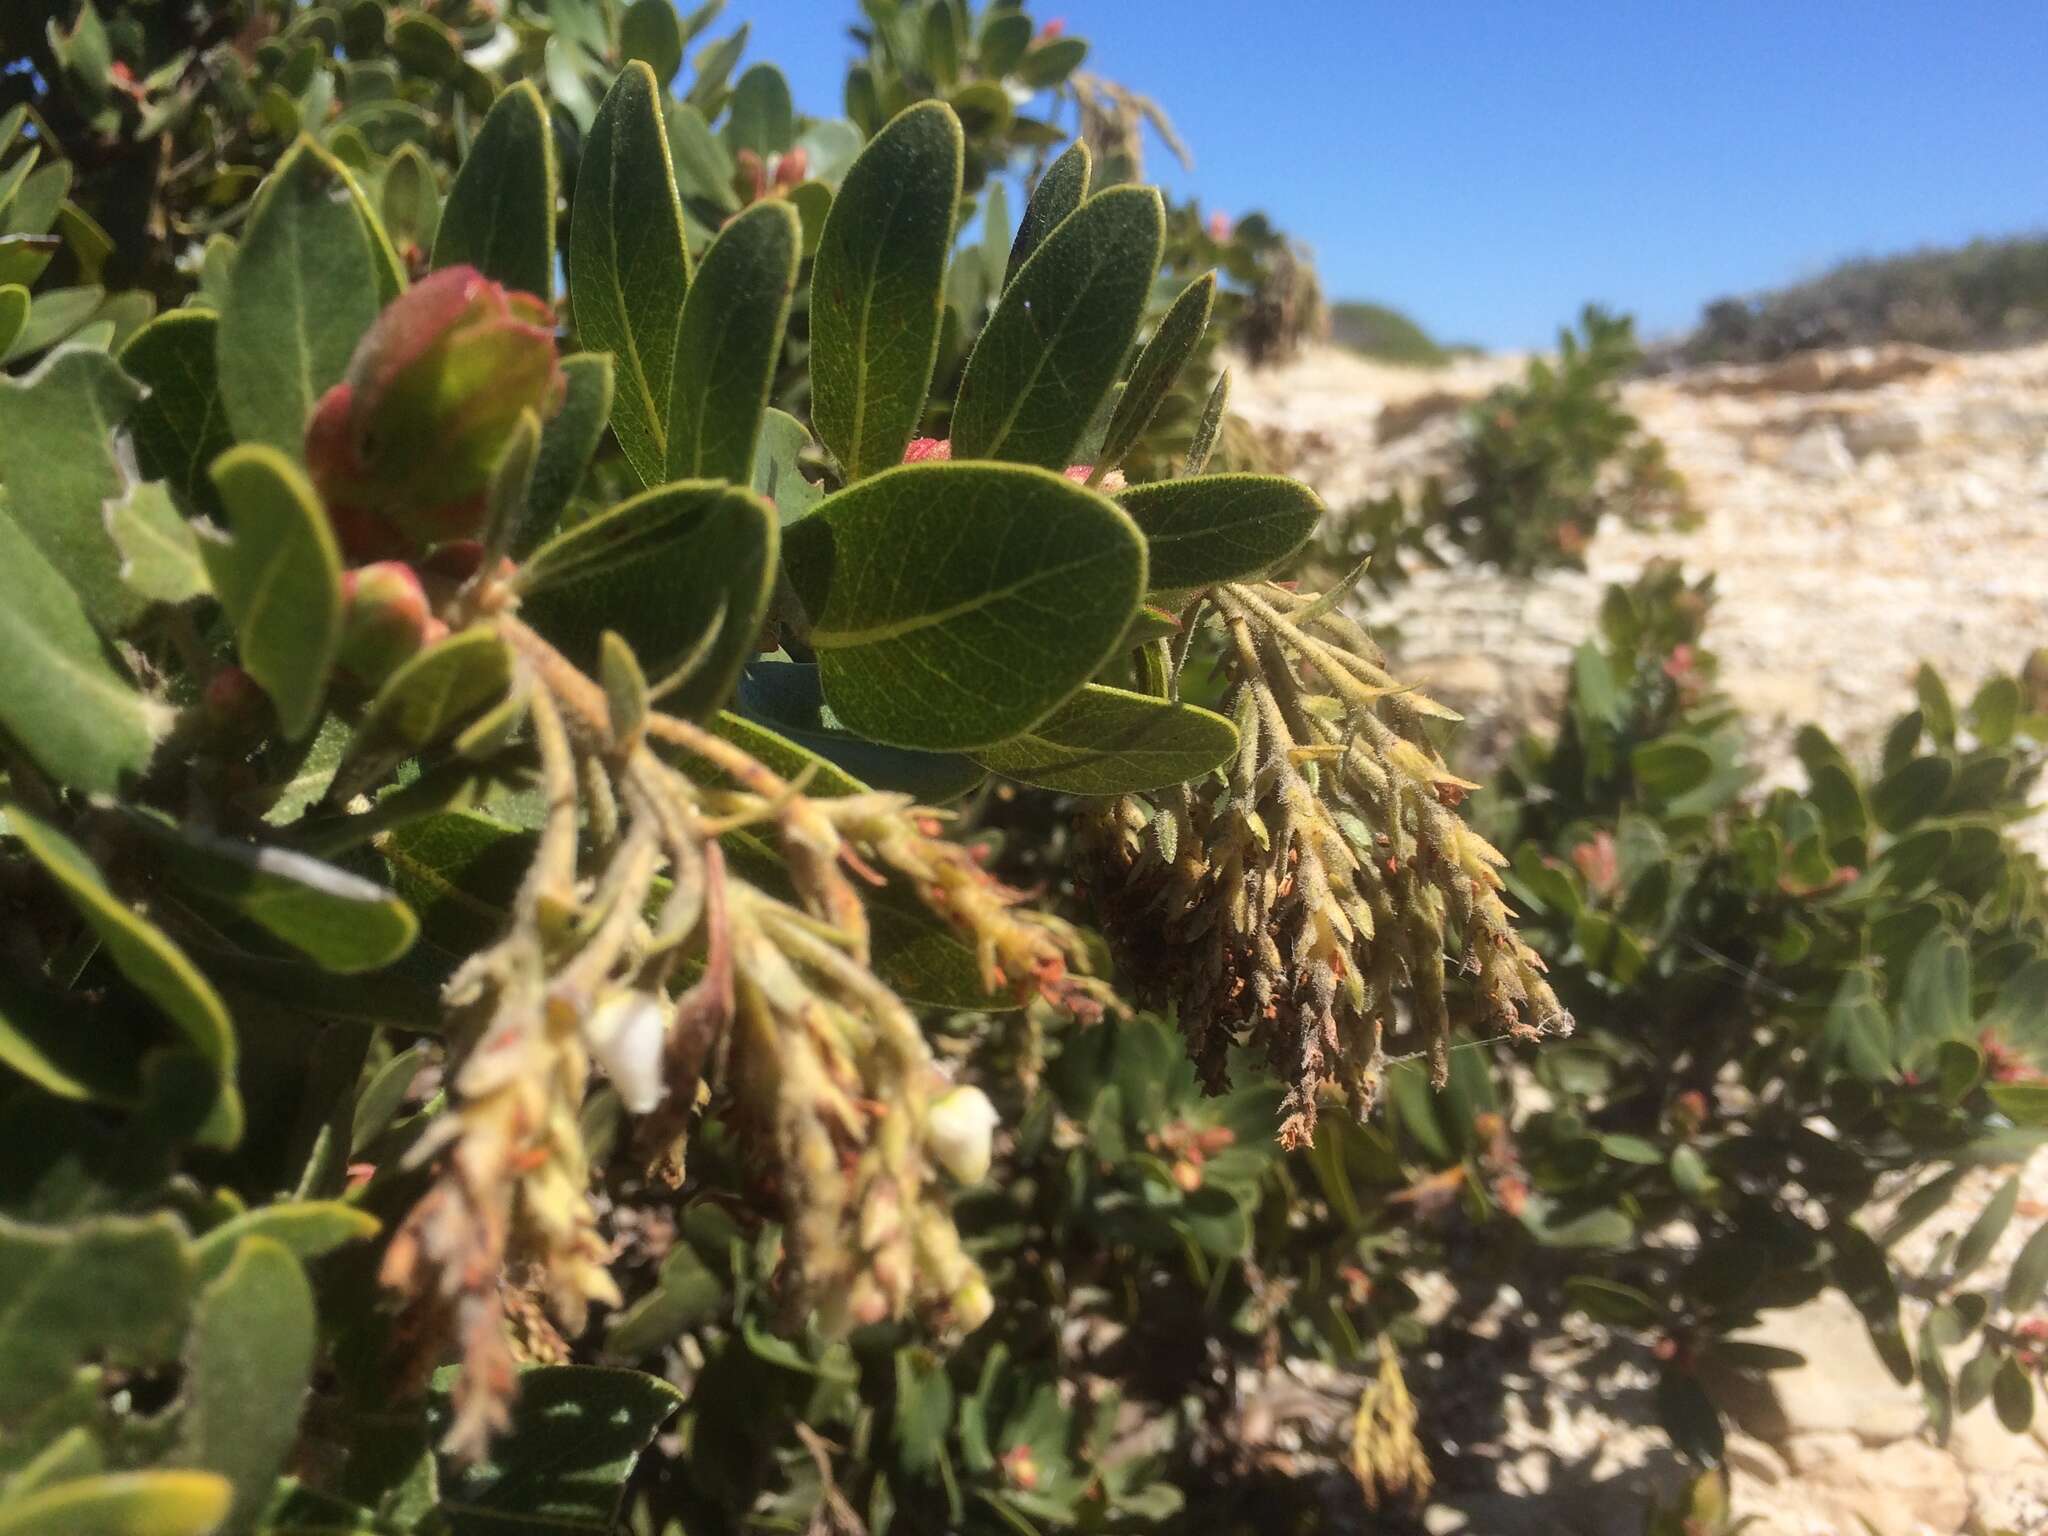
(1219, 227)
(790, 169)
(234, 702)
(749, 177)
(403, 448)
(385, 620)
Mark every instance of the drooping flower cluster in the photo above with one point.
(1318, 886)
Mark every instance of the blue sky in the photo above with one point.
(1490, 165)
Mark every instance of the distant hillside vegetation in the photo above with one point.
(1383, 333)
(1989, 293)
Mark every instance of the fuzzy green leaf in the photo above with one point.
(61, 697)
(659, 569)
(159, 552)
(567, 443)
(423, 701)
(1986, 1230)
(761, 116)
(147, 957)
(14, 304)
(303, 290)
(115, 1290)
(341, 920)
(182, 426)
(122, 1504)
(1057, 341)
(778, 476)
(279, 580)
(629, 267)
(1105, 741)
(576, 1432)
(1157, 368)
(58, 470)
(877, 291)
(304, 1228)
(789, 697)
(1062, 189)
(1220, 527)
(730, 342)
(500, 214)
(2028, 1276)
(650, 32)
(954, 606)
(247, 1365)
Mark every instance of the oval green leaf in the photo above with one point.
(182, 426)
(1058, 339)
(500, 214)
(305, 1228)
(423, 701)
(730, 342)
(346, 923)
(567, 443)
(1105, 741)
(146, 955)
(878, 289)
(123, 1504)
(659, 569)
(629, 267)
(789, 697)
(303, 290)
(1157, 368)
(61, 697)
(1220, 527)
(279, 580)
(954, 606)
(1062, 189)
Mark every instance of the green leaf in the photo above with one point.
(2012, 1394)
(1911, 791)
(410, 204)
(954, 605)
(1612, 1302)
(2028, 1276)
(1986, 1230)
(115, 1290)
(1047, 64)
(58, 470)
(1105, 741)
(778, 476)
(1004, 37)
(1670, 767)
(1057, 340)
(730, 342)
(1061, 190)
(306, 1229)
(789, 697)
(576, 1432)
(567, 444)
(629, 266)
(1689, 1417)
(346, 923)
(159, 552)
(761, 116)
(877, 289)
(1157, 368)
(651, 32)
(500, 213)
(182, 426)
(1220, 527)
(423, 701)
(659, 569)
(279, 580)
(777, 750)
(685, 1294)
(61, 697)
(14, 303)
(144, 954)
(303, 290)
(2025, 1104)
(247, 1366)
(122, 1504)
(66, 1045)
(924, 1409)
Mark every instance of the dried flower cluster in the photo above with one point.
(1305, 894)
(632, 946)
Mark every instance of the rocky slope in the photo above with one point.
(1863, 511)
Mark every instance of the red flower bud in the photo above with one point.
(402, 449)
(790, 169)
(749, 176)
(385, 621)
(234, 702)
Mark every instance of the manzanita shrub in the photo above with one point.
(440, 845)
(1538, 464)
(540, 586)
